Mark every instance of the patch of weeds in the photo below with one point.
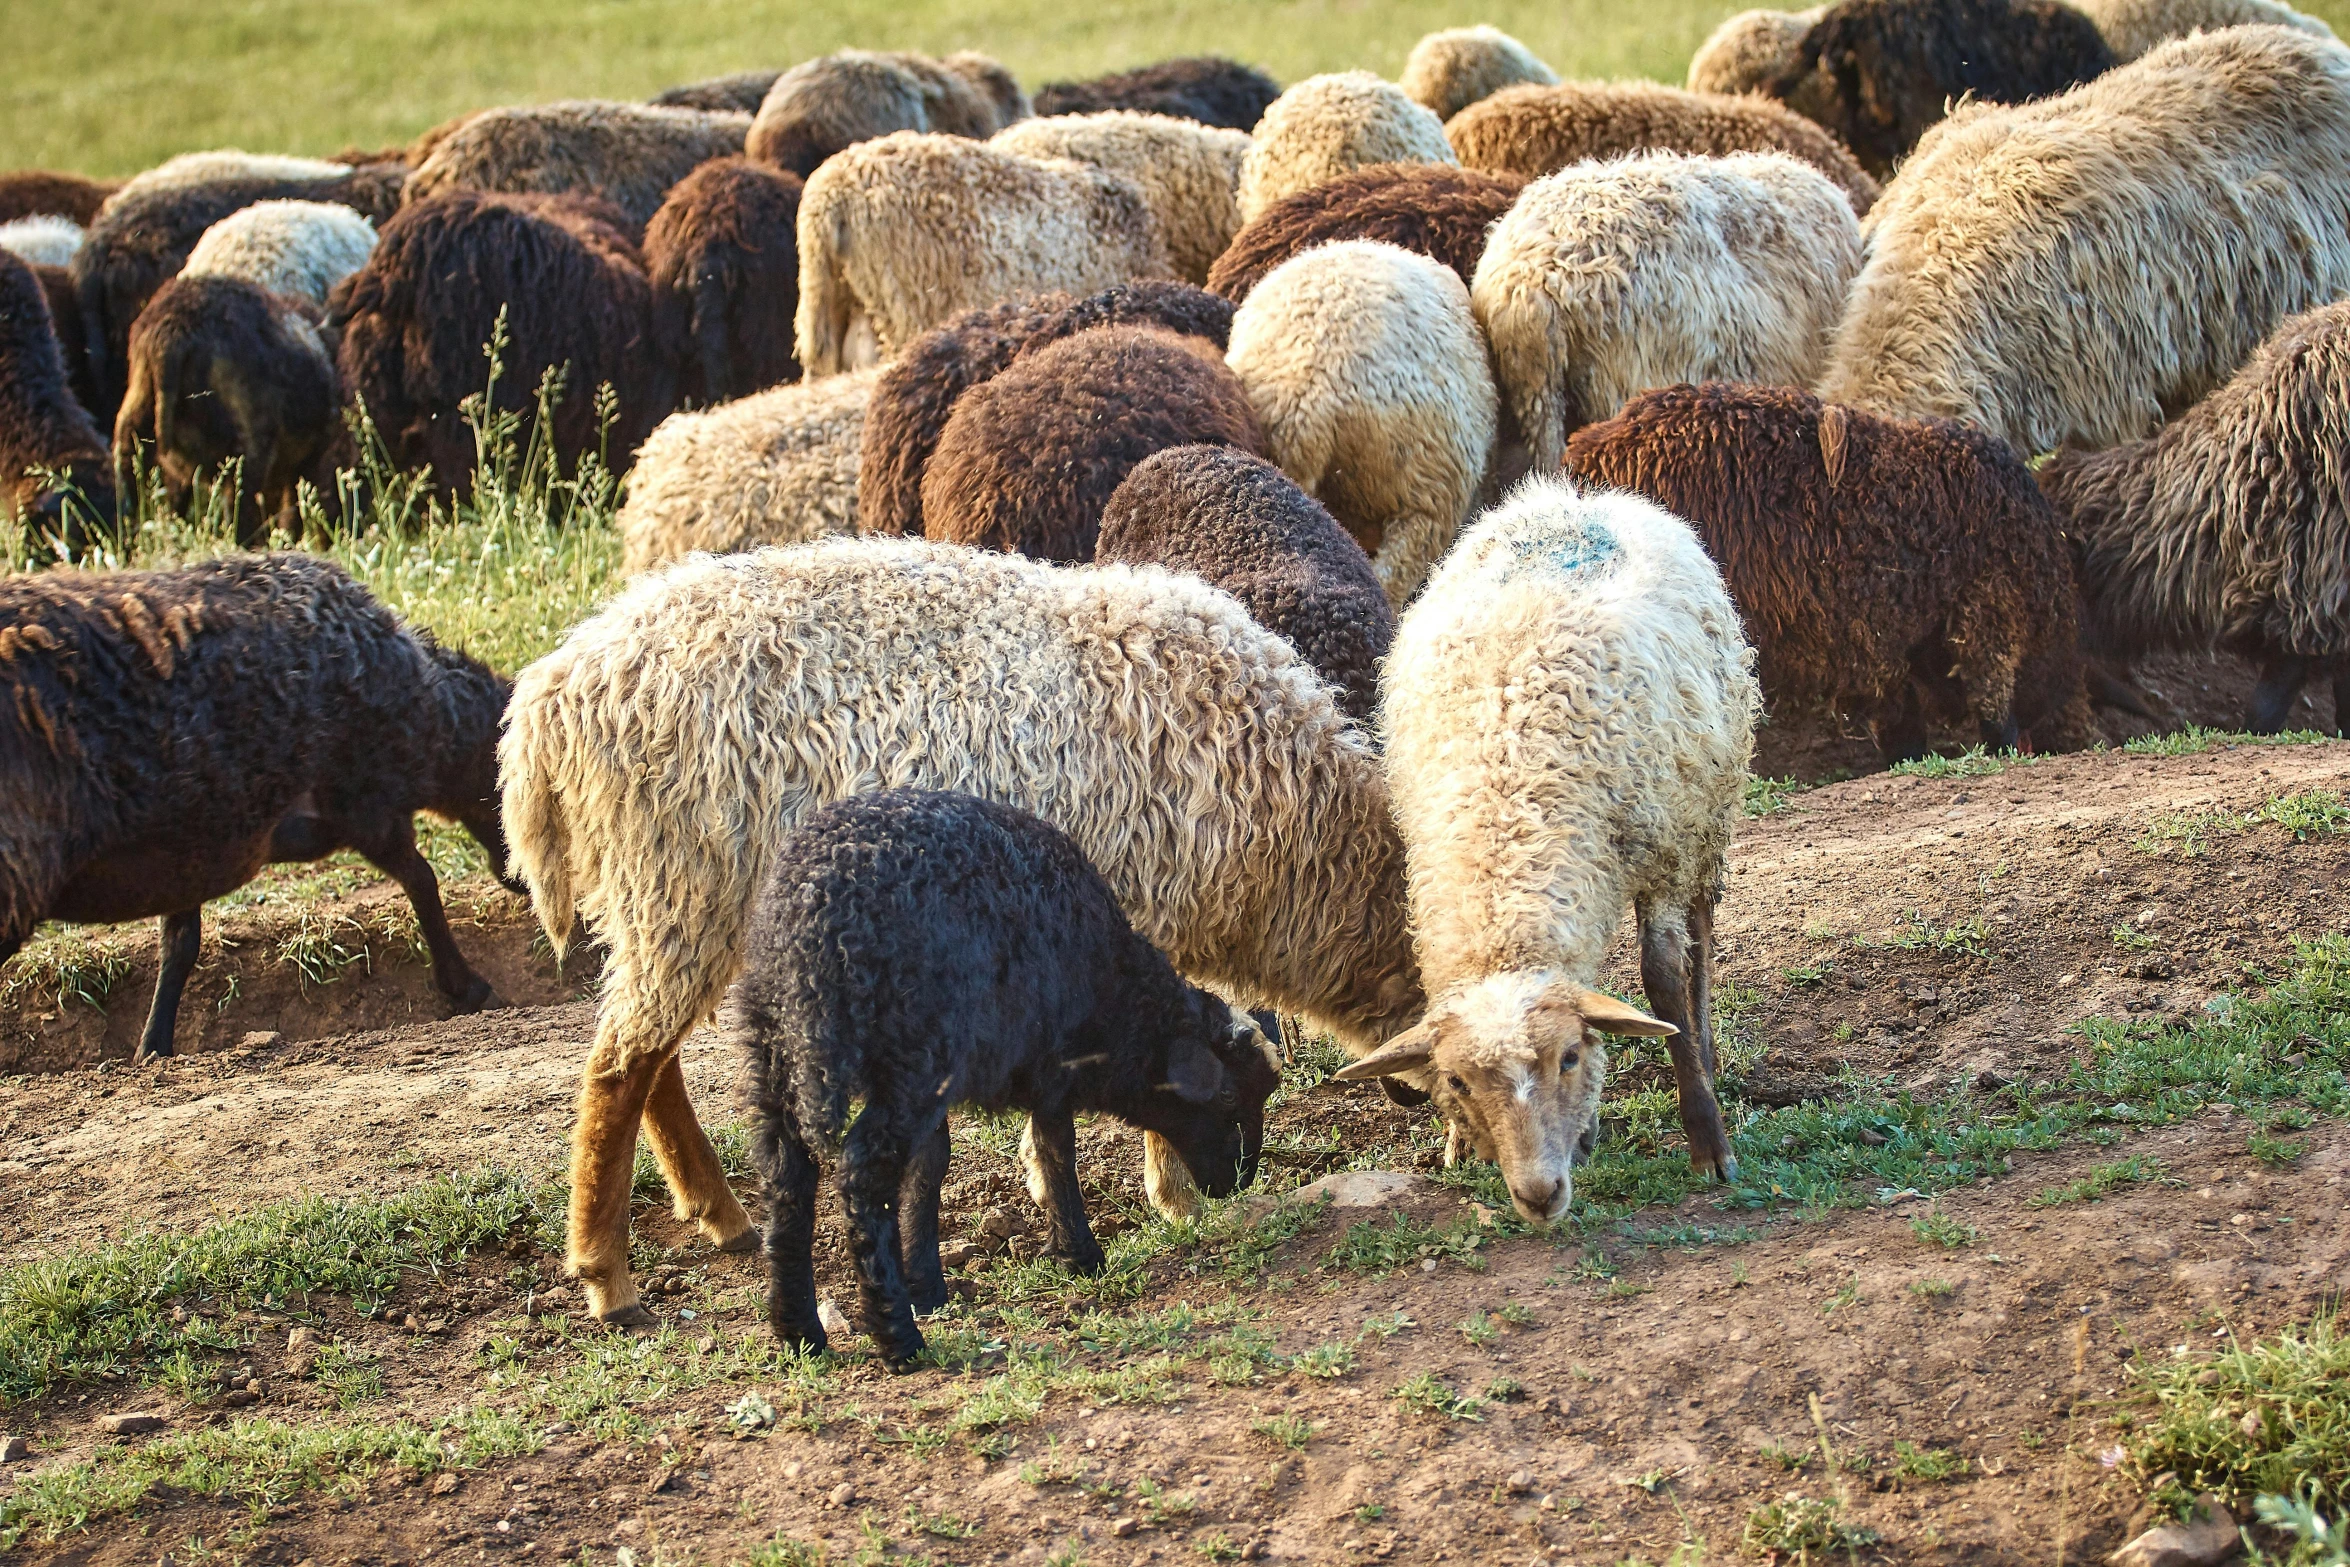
(2035, 1440)
(324, 945)
(2188, 833)
(1769, 796)
(2194, 741)
(1801, 1527)
(1217, 1547)
(780, 1552)
(1429, 1394)
(1479, 1329)
(1912, 1462)
(1371, 1247)
(1516, 1314)
(2131, 939)
(350, 1376)
(2313, 814)
(2264, 1417)
(65, 963)
(1916, 933)
(1933, 1289)
(1623, 1289)
(1973, 762)
(939, 1526)
(1159, 1505)
(1791, 1459)
(2101, 1180)
(2315, 1542)
(1505, 1390)
(1806, 974)
(2280, 1152)
(1370, 1512)
(1327, 1360)
(1940, 1229)
(1388, 1324)
(1055, 1468)
(1844, 1299)
(1288, 1431)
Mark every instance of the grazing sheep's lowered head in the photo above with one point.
(1450, 70)
(1433, 208)
(739, 91)
(1326, 125)
(1749, 49)
(1206, 88)
(43, 426)
(817, 108)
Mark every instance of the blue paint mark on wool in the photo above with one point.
(1588, 548)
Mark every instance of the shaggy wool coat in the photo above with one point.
(1206, 88)
(1188, 172)
(1327, 125)
(628, 154)
(42, 424)
(1433, 208)
(1449, 70)
(724, 258)
(298, 248)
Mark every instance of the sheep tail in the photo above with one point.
(826, 300)
(537, 837)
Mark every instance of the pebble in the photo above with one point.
(443, 1483)
(836, 1324)
(129, 1424)
(844, 1495)
(2199, 1544)
(14, 1449)
(1521, 1482)
(1124, 1528)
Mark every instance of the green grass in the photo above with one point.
(2270, 1417)
(1768, 796)
(2193, 741)
(1431, 1394)
(1913, 1462)
(2101, 1181)
(1940, 1229)
(1973, 762)
(1800, 1527)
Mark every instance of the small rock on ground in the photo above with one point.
(2208, 1538)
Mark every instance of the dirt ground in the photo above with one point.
(1932, 930)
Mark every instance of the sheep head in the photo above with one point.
(1516, 1063)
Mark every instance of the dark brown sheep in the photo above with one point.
(917, 393)
(1204, 87)
(1436, 209)
(724, 256)
(224, 370)
(573, 291)
(1534, 130)
(43, 425)
(1898, 569)
(741, 91)
(1029, 459)
(1242, 525)
(1879, 72)
(32, 193)
(65, 318)
(165, 734)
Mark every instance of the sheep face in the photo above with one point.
(1516, 1063)
(1206, 1111)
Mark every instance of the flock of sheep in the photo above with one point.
(1332, 545)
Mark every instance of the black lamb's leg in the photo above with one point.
(926, 1281)
(790, 1175)
(393, 851)
(183, 938)
(2281, 679)
(872, 1171)
(1051, 1148)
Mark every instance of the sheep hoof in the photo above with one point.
(743, 1244)
(631, 1318)
(477, 995)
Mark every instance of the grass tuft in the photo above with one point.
(2267, 1417)
(1800, 1527)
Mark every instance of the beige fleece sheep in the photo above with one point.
(1448, 71)
(1749, 49)
(2131, 27)
(1326, 125)
(1188, 172)
(301, 248)
(1370, 377)
(777, 467)
(44, 239)
(654, 761)
(906, 231)
(2078, 269)
(1568, 712)
(627, 153)
(820, 106)
(1607, 279)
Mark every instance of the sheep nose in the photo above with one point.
(1538, 1199)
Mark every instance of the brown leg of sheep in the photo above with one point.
(603, 1164)
(690, 1164)
(1665, 975)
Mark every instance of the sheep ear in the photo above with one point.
(1405, 1052)
(1194, 1075)
(1611, 1016)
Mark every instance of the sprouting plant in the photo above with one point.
(1940, 1229)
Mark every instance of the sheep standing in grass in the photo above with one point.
(2231, 526)
(1028, 459)
(165, 734)
(819, 108)
(628, 154)
(1366, 368)
(907, 231)
(1879, 72)
(2131, 27)
(1610, 278)
(298, 248)
(1327, 125)
(1900, 570)
(723, 254)
(1206, 88)
(1432, 208)
(35, 193)
(1238, 523)
(917, 950)
(43, 426)
(2077, 270)
(1539, 130)
(653, 764)
(739, 92)
(45, 241)
(1188, 172)
(1568, 713)
(1748, 50)
(917, 393)
(1448, 71)
(779, 467)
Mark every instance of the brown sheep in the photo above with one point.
(724, 256)
(1433, 208)
(42, 424)
(32, 193)
(818, 108)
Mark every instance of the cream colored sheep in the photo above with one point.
(227, 163)
(1369, 375)
(1326, 125)
(1749, 49)
(1607, 279)
(2078, 269)
(1188, 172)
(299, 248)
(778, 467)
(909, 230)
(2131, 27)
(1568, 712)
(653, 762)
(627, 153)
(45, 239)
(1448, 71)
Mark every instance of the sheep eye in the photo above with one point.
(1455, 1084)
(1571, 1060)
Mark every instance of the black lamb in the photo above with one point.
(1205, 87)
(921, 950)
(165, 734)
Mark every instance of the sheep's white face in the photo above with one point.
(1516, 1063)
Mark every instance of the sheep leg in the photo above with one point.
(393, 851)
(1050, 1152)
(791, 1231)
(2281, 679)
(926, 1281)
(603, 1167)
(1665, 978)
(873, 1170)
(183, 937)
(2342, 698)
(697, 1181)
(1701, 1009)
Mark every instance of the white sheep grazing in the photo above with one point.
(1569, 711)
(1188, 172)
(227, 163)
(1608, 279)
(1369, 375)
(2078, 270)
(1749, 49)
(1449, 70)
(45, 240)
(2131, 27)
(777, 467)
(1327, 125)
(653, 763)
(300, 248)
(906, 231)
